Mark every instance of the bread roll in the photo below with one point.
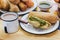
(15, 1)
(29, 3)
(56, 1)
(4, 4)
(14, 8)
(22, 6)
(52, 18)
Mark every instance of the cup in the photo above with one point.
(10, 22)
(45, 6)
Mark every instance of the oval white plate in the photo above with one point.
(29, 28)
(28, 10)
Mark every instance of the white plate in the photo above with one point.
(29, 28)
(29, 9)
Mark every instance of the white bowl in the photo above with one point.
(45, 8)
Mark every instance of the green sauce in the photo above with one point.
(44, 5)
(42, 22)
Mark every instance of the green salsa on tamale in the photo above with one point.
(38, 23)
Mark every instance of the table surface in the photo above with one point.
(22, 35)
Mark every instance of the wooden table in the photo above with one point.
(22, 35)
